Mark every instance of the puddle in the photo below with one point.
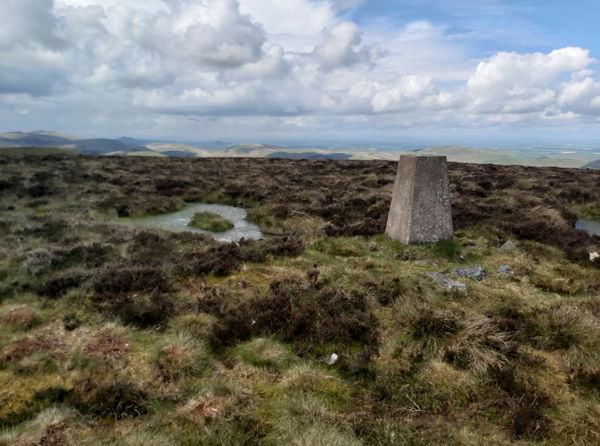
(590, 226)
(177, 222)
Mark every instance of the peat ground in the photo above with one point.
(111, 334)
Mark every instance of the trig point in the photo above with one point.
(421, 211)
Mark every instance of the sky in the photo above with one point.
(453, 71)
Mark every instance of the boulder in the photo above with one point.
(505, 270)
(445, 282)
(476, 272)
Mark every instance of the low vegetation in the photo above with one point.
(327, 332)
(208, 221)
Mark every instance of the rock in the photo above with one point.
(505, 270)
(421, 210)
(508, 246)
(331, 359)
(594, 256)
(476, 272)
(447, 283)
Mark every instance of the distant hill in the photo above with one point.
(592, 165)
(250, 150)
(310, 155)
(469, 155)
(489, 156)
(103, 146)
(98, 146)
(126, 146)
(179, 153)
(128, 140)
(35, 139)
(39, 151)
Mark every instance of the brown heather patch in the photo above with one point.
(23, 317)
(53, 435)
(107, 344)
(27, 346)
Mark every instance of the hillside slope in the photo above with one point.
(329, 334)
(593, 165)
(93, 146)
(39, 151)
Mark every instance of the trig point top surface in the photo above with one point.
(421, 211)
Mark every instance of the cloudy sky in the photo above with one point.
(370, 70)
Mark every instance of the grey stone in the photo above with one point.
(421, 209)
(447, 283)
(505, 270)
(331, 359)
(476, 272)
(508, 246)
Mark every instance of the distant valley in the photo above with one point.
(54, 143)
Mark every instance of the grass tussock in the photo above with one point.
(22, 317)
(264, 352)
(50, 427)
(210, 222)
(573, 333)
(180, 356)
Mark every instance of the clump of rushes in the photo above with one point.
(210, 222)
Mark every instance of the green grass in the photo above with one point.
(208, 221)
(589, 212)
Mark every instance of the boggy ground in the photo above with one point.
(110, 334)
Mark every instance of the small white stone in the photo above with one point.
(594, 256)
(331, 359)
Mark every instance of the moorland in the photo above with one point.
(113, 334)
(540, 156)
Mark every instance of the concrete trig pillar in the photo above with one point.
(421, 211)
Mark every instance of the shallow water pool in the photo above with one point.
(177, 222)
(590, 226)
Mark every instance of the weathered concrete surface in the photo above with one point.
(421, 211)
(508, 246)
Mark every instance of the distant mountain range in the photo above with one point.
(593, 165)
(126, 146)
(131, 146)
(101, 146)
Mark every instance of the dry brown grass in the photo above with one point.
(27, 346)
(21, 317)
(109, 343)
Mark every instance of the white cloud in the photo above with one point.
(294, 64)
(31, 45)
(512, 70)
(581, 96)
(407, 93)
(517, 83)
(290, 17)
(341, 47)
(27, 24)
